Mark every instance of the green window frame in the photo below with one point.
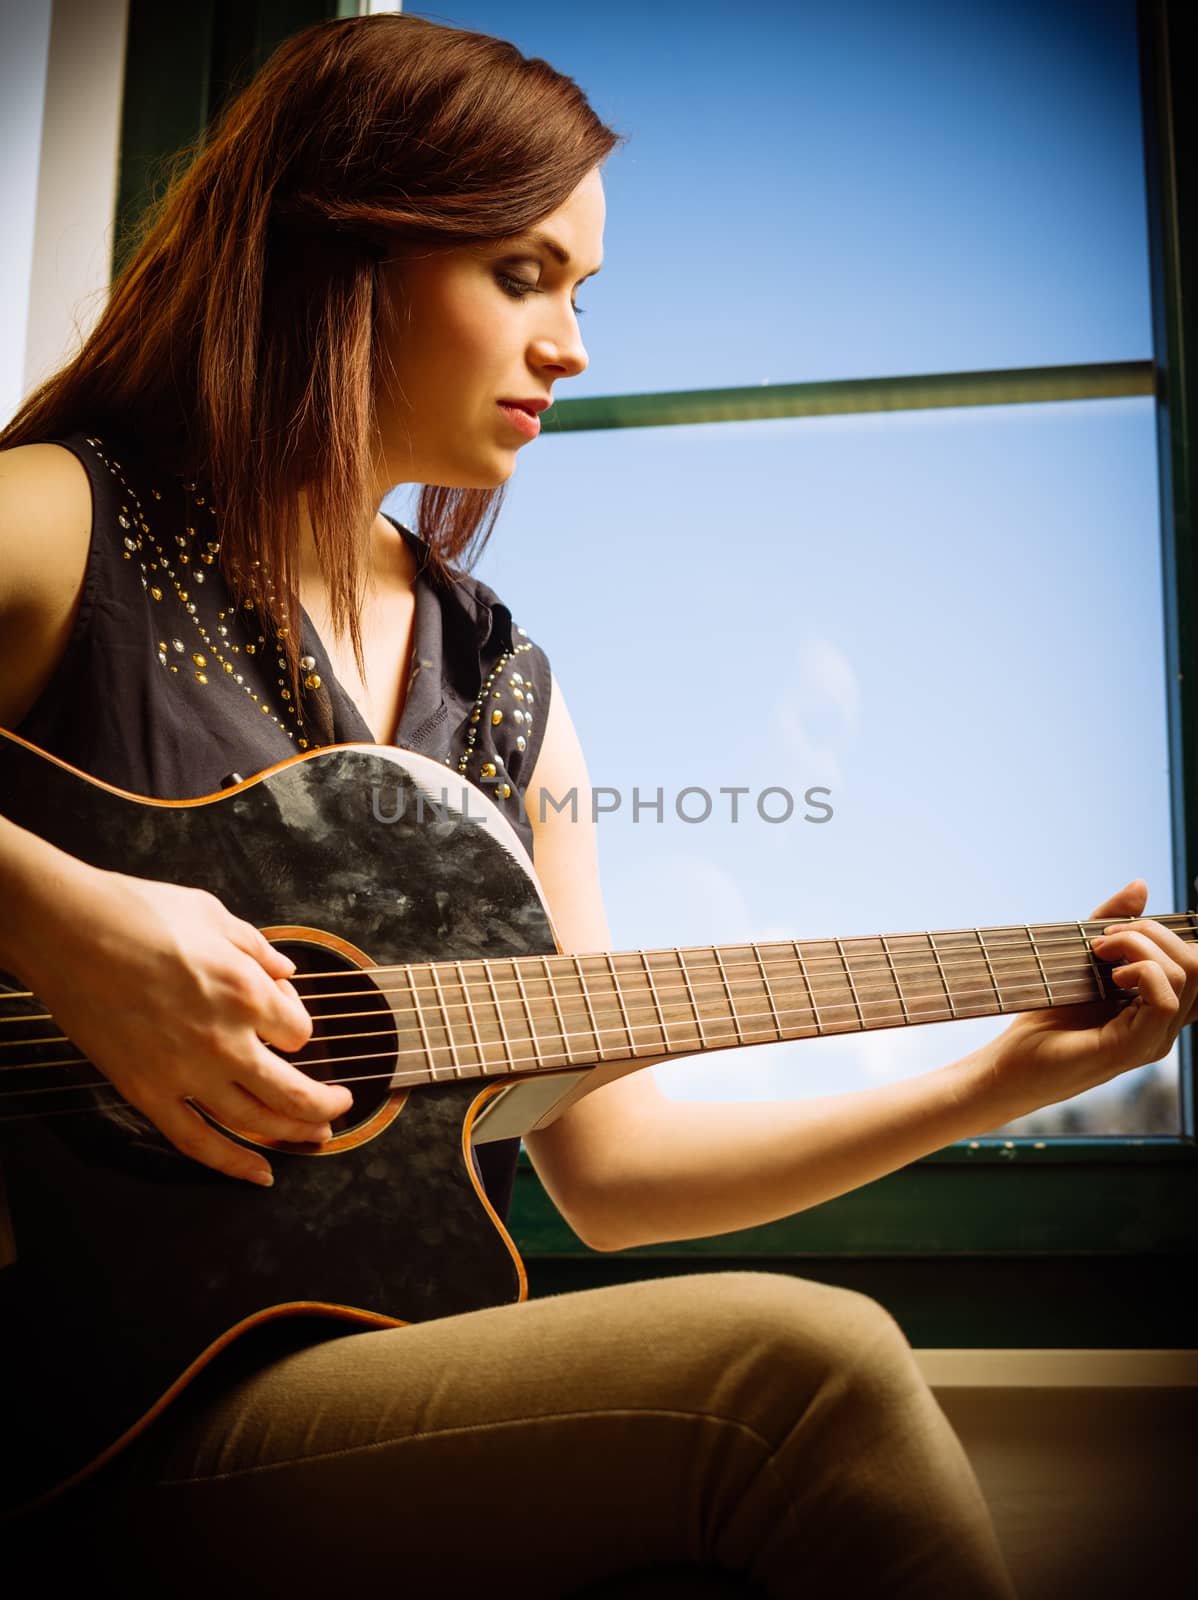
(1061, 1242)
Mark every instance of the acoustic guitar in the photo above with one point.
(427, 959)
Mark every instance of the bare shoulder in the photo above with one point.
(564, 834)
(45, 534)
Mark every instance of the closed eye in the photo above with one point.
(520, 288)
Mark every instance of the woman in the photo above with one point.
(368, 278)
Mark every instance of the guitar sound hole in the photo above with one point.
(353, 1030)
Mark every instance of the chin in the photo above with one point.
(480, 477)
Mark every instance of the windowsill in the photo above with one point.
(1059, 1369)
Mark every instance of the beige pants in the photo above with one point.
(741, 1424)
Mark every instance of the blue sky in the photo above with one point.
(949, 619)
(881, 186)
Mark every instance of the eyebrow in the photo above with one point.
(551, 247)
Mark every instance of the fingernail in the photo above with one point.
(262, 1176)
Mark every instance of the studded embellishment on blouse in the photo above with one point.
(196, 551)
(496, 689)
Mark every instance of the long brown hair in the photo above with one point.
(240, 344)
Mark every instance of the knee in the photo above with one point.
(791, 1330)
(754, 1344)
(822, 1319)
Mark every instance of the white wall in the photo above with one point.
(61, 80)
(1086, 1459)
(24, 49)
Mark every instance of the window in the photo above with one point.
(909, 601)
(885, 273)
(909, 612)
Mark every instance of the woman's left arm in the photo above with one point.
(627, 1166)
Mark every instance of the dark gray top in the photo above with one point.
(168, 689)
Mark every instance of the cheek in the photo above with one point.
(476, 329)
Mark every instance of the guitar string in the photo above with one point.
(800, 969)
(396, 1082)
(513, 1063)
(1181, 922)
(665, 983)
(604, 983)
(1024, 967)
(394, 1078)
(677, 976)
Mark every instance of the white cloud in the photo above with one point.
(816, 719)
(676, 897)
(834, 1065)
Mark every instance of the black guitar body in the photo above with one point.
(135, 1264)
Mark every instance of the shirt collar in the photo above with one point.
(458, 622)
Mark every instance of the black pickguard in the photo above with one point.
(133, 1261)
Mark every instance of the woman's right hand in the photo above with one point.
(175, 1000)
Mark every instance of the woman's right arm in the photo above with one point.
(172, 998)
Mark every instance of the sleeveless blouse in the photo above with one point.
(168, 689)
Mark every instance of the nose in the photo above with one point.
(558, 348)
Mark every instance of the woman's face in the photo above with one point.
(470, 328)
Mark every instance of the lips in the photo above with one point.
(524, 420)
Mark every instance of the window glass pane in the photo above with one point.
(950, 620)
(877, 187)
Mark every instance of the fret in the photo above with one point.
(642, 1004)
(998, 999)
(453, 1016)
(455, 1066)
(410, 1047)
(653, 995)
(825, 973)
(677, 1009)
(755, 1006)
(1095, 969)
(1011, 956)
(485, 1022)
(802, 965)
(427, 1045)
(1070, 961)
(769, 993)
(586, 1000)
(475, 1040)
(1039, 964)
(872, 977)
(967, 972)
(532, 1026)
(903, 960)
(735, 1019)
(418, 1013)
(625, 1020)
(852, 986)
(716, 1005)
(500, 1021)
(605, 999)
(690, 994)
(902, 999)
(952, 1010)
(557, 1010)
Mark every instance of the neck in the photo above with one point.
(552, 1013)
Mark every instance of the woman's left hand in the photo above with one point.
(1051, 1055)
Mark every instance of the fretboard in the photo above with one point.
(476, 1019)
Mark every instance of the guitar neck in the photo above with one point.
(550, 1013)
(489, 1019)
